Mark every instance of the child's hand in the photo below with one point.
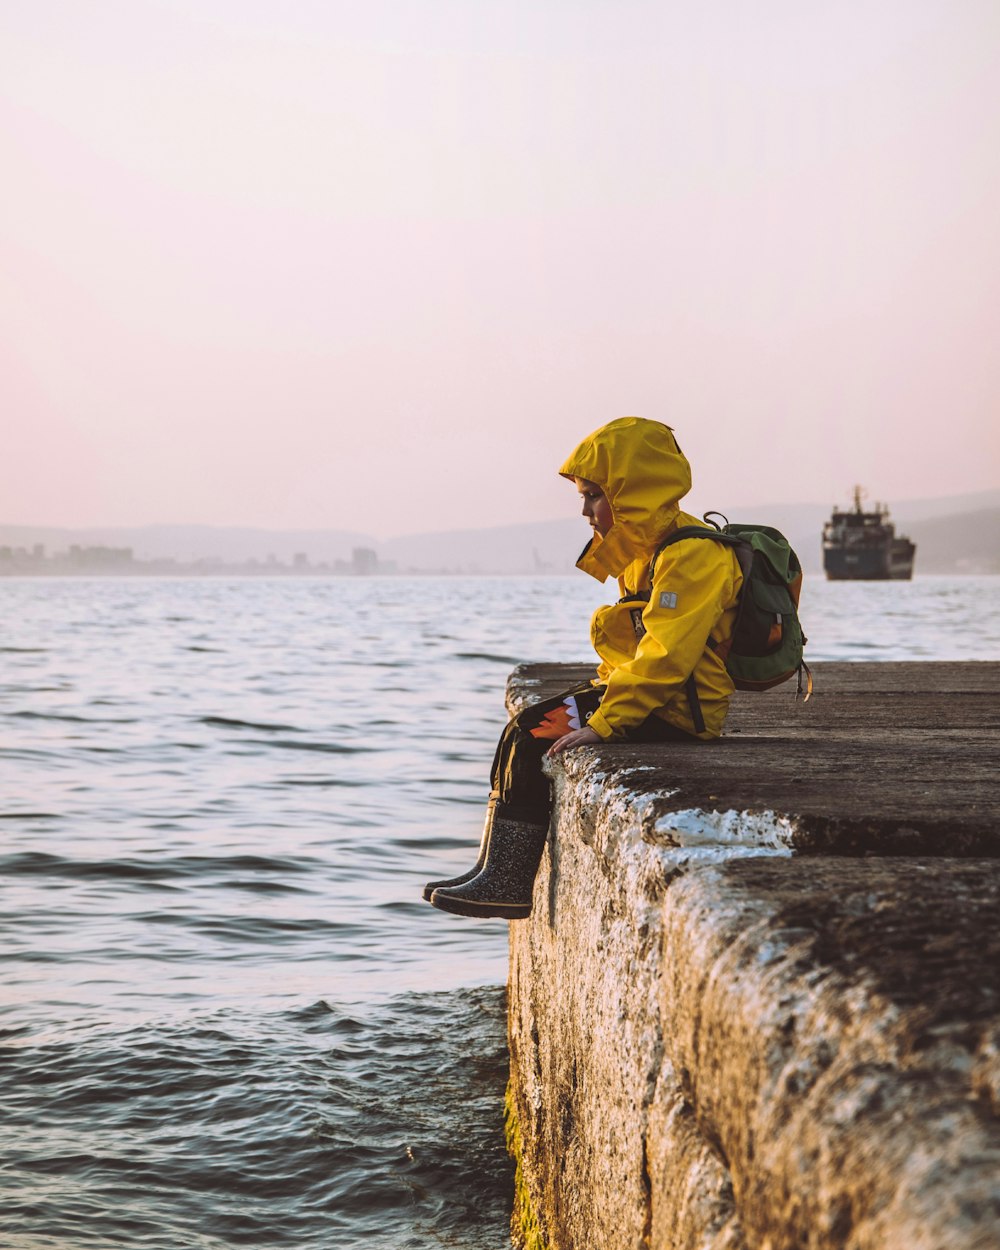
(578, 738)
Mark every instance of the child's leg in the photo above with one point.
(522, 789)
(518, 820)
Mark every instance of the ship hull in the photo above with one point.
(876, 565)
(856, 566)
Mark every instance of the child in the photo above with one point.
(659, 679)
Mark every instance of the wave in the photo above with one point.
(487, 655)
(230, 722)
(160, 868)
(80, 720)
(328, 748)
(249, 931)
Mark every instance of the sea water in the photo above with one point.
(228, 1019)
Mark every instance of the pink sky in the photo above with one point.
(381, 266)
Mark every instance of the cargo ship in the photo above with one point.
(863, 546)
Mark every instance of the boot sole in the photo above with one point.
(485, 911)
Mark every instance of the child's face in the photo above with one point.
(596, 508)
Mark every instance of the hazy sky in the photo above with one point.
(380, 265)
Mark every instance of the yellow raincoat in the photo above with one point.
(649, 650)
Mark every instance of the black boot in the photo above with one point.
(503, 888)
(431, 886)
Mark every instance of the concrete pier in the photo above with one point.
(757, 1004)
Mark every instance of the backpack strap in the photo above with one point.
(809, 681)
(741, 548)
(694, 704)
(744, 556)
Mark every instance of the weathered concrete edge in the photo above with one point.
(643, 849)
(847, 1115)
(600, 847)
(700, 960)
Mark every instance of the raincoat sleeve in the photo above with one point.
(694, 583)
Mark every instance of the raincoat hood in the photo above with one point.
(643, 473)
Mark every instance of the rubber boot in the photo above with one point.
(503, 888)
(474, 871)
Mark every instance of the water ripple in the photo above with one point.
(199, 1136)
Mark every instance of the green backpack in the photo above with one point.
(767, 642)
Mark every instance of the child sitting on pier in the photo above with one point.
(660, 676)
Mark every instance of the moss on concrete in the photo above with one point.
(524, 1228)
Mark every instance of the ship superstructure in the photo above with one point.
(862, 545)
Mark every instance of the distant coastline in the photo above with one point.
(82, 561)
(121, 562)
(954, 535)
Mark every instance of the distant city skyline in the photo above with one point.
(381, 267)
(85, 559)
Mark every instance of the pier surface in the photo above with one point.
(757, 1003)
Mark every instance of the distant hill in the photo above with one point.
(968, 542)
(957, 534)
